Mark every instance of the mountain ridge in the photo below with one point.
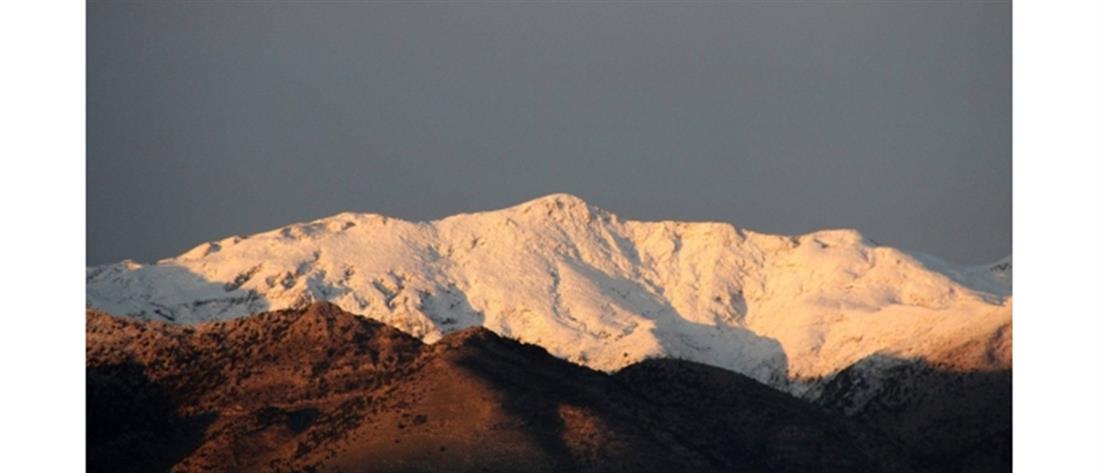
(318, 389)
(593, 288)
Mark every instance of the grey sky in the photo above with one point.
(210, 119)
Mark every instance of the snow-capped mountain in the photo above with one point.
(595, 289)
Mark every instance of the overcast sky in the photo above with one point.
(209, 119)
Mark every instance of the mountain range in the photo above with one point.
(549, 336)
(600, 291)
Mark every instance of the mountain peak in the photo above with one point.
(558, 198)
(561, 201)
(585, 285)
(562, 206)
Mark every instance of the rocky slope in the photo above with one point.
(321, 390)
(948, 421)
(594, 289)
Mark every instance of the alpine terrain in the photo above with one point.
(705, 346)
(595, 289)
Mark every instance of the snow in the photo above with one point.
(590, 287)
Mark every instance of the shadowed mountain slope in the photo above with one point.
(948, 421)
(318, 389)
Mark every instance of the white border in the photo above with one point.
(1056, 236)
(42, 236)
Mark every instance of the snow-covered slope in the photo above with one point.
(591, 287)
